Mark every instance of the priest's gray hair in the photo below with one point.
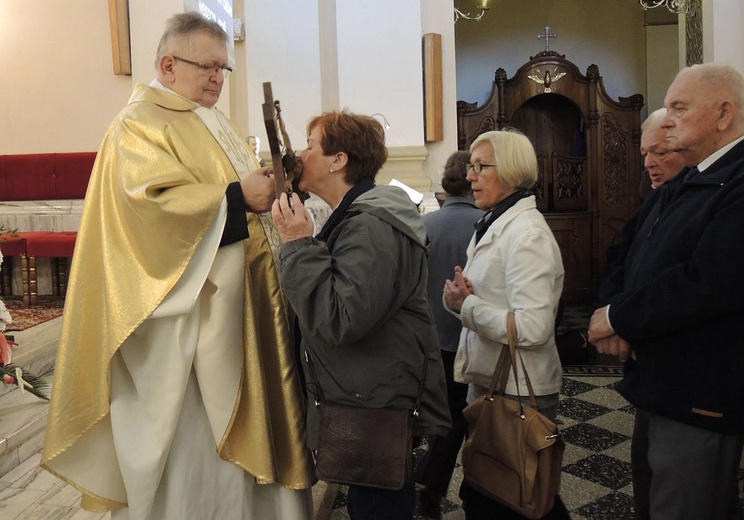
(185, 25)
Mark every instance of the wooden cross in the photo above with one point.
(547, 37)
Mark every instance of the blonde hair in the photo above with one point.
(513, 155)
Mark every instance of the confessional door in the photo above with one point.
(556, 127)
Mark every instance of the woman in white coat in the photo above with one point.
(513, 263)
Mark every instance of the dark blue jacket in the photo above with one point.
(682, 300)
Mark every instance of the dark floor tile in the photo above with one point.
(592, 437)
(615, 506)
(601, 469)
(571, 387)
(580, 410)
(340, 500)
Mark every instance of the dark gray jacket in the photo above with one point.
(360, 299)
(450, 230)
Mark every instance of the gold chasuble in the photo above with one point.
(153, 207)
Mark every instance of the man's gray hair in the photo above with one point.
(654, 119)
(185, 25)
(726, 74)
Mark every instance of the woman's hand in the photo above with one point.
(455, 291)
(292, 222)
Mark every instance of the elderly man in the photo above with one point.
(175, 394)
(662, 165)
(678, 319)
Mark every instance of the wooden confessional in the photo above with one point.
(588, 154)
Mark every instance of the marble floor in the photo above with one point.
(30, 493)
(597, 427)
(596, 481)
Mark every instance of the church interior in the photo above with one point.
(578, 77)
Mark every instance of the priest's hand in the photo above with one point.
(258, 190)
(292, 222)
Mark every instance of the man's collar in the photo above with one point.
(718, 154)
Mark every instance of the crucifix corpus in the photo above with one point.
(547, 36)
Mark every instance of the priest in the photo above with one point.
(175, 392)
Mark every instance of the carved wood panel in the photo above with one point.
(588, 159)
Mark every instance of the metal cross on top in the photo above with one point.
(547, 37)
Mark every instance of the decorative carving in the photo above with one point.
(465, 106)
(614, 158)
(547, 54)
(635, 101)
(570, 177)
(694, 33)
(546, 79)
(587, 155)
(486, 125)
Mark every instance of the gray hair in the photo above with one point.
(513, 155)
(183, 26)
(654, 119)
(730, 77)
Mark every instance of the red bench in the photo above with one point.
(32, 177)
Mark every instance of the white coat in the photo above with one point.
(515, 266)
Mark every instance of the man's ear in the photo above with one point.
(726, 115)
(165, 68)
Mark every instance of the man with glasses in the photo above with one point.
(176, 395)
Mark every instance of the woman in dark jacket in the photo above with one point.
(359, 291)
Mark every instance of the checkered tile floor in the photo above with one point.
(598, 423)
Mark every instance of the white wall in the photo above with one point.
(372, 64)
(58, 92)
(722, 35)
(380, 64)
(662, 63)
(437, 18)
(281, 46)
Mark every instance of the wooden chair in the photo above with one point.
(12, 247)
(59, 246)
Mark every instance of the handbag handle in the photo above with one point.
(507, 359)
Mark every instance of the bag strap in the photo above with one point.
(506, 360)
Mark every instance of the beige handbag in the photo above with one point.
(513, 453)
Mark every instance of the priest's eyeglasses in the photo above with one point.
(478, 167)
(207, 69)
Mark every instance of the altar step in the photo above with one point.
(22, 415)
